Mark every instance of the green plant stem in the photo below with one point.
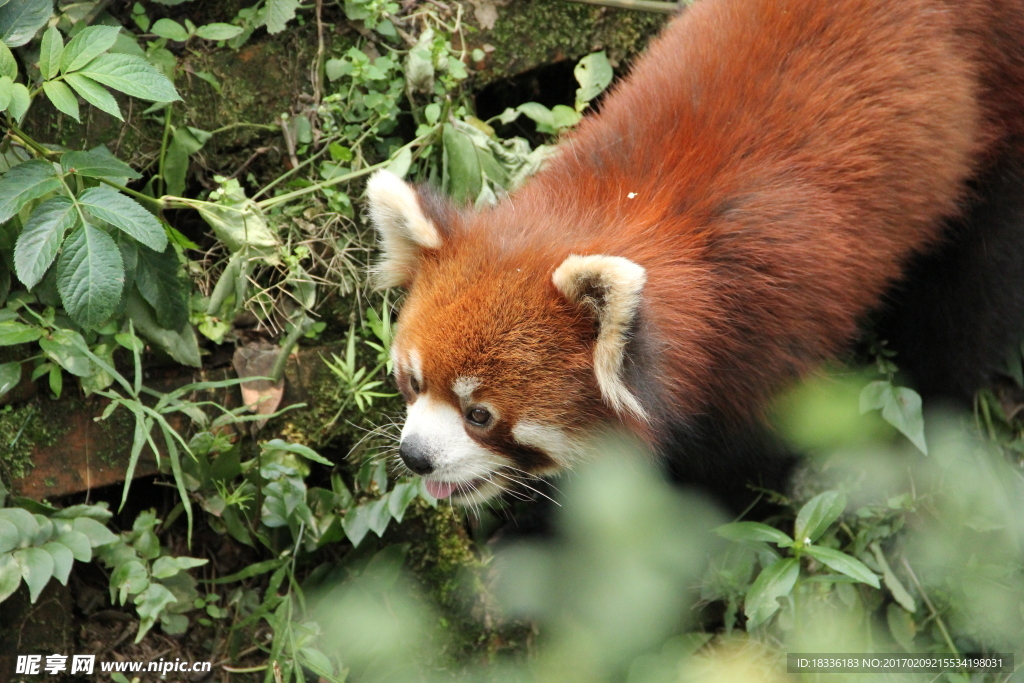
(244, 124)
(287, 174)
(290, 341)
(29, 142)
(153, 202)
(288, 196)
(639, 5)
(163, 147)
(931, 608)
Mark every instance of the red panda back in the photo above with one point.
(772, 165)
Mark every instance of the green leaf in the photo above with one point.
(892, 582)
(400, 498)
(8, 65)
(124, 213)
(10, 538)
(844, 564)
(901, 626)
(97, 534)
(6, 92)
(62, 98)
(10, 376)
(10, 575)
(62, 346)
(298, 449)
(36, 569)
(754, 531)
(378, 515)
(87, 46)
(774, 582)
(818, 514)
(170, 29)
(150, 604)
(20, 20)
(279, 13)
(131, 75)
(20, 100)
(461, 167)
(78, 543)
(62, 560)
(157, 277)
(90, 275)
(218, 31)
(95, 94)
(903, 411)
(13, 332)
(26, 524)
(38, 243)
(23, 183)
(165, 567)
(594, 74)
(50, 50)
(183, 145)
(356, 524)
(181, 344)
(97, 163)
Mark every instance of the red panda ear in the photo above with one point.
(610, 286)
(404, 231)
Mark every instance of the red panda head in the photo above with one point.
(510, 355)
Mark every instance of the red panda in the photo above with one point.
(744, 197)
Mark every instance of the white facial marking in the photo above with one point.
(416, 365)
(456, 458)
(551, 440)
(464, 387)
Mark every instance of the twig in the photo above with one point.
(931, 607)
(638, 5)
(289, 143)
(252, 157)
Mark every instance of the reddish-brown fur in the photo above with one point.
(787, 158)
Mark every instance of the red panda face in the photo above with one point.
(506, 374)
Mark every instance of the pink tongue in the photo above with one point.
(439, 489)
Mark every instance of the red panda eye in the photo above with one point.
(414, 385)
(479, 416)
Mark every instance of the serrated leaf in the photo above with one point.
(62, 98)
(754, 531)
(97, 163)
(126, 214)
(90, 276)
(8, 65)
(218, 31)
(156, 276)
(36, 569)
(278, 13)
(50, 50)
(844, 564)
(10, 376)
(96, 533)
(817, 515)
(20, 100)
(6, 92)
(78, 543)
(181, 344)
(39, 242)
(10, 575)
(86, 46)
(774, 582)
(10, 538)
(13, 332)
(169, 29)
(62, 560)
(95, 94)
(19, 21)
(23, 183)
(131, 75)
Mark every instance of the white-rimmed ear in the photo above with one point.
(403, 230)
(610, 286)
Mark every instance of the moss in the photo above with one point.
(530, 33)
(23, 427)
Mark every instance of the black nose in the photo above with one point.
(415, 456)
